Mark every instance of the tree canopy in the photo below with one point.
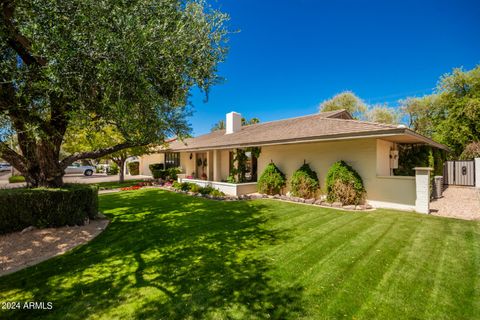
(451, 115)
(382, 114)
(345, 100)
(128, 64)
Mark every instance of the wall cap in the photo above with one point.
(423, 169)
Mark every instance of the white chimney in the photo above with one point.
(234, 122)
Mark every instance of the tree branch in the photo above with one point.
(15, 159)
(97, 153)
(16, 40)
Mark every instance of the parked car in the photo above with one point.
(5, 167)
(78, 168)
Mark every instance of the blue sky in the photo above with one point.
(288, 56)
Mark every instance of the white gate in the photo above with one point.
(460, 173)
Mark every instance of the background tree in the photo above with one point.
(451, 115)
(382, 114)
(100, 138)
(220, 125)
(419, 113)
(471, 151)
(246, 122)
(129, 64)
(345, 100)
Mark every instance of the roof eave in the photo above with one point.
(426, 140)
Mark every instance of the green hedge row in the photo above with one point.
(41, 207)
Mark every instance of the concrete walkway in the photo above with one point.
(458, 202)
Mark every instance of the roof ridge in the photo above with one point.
(390, 126)
(297, 117)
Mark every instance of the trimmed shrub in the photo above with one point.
(16, 179)
(217, 193)
(272, 180)
(112, 170)
(42, 207)
(194, 187)
(206, 190)
(173, 172)
(134, 168)
(184, 186)
(344, 184)
(304, 182)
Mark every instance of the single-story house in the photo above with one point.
(320, 139)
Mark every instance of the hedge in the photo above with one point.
(159, 173)
(16, 179)
(41, 207)
(304, 182)
(344, 184)
(134, 168)
(272, 180)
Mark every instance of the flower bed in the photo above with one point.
(222, 197)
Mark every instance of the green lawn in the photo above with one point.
(171, 256)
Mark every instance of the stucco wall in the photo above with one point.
(187, 164)
(149, 159)
(361, 154)
(383, 157)
(225, 165)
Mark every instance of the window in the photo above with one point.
(172, 160)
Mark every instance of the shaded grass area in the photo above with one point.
(171, 256)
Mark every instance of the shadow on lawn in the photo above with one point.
(167, 256)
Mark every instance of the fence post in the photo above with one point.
(477, 172)
(422, 184)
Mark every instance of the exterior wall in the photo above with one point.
(232, 189)
(149, 159)
(187, 164)
(225, 164)
(361, 154)
(383, 157)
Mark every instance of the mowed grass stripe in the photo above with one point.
(171, 256)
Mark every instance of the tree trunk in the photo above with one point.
(120, 162)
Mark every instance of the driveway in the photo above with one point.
(458, 202)
(72, 178)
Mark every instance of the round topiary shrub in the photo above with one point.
(304, 182)
(344, 184)
(272, 180)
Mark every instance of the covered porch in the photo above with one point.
(218, 168)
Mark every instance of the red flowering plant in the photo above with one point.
(136, 187)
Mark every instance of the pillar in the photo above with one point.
(422, 184)
(216, 165)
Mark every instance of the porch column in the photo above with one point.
(477, 172)
(210, 165)
(422, 183)
(216, 165)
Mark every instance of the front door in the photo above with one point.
(202, 166)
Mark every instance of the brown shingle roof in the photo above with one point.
(314, 127)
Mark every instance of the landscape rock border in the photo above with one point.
(312, 201)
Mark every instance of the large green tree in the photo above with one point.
(129, 64)
(451, 115)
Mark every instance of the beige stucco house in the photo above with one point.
(320, 140)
